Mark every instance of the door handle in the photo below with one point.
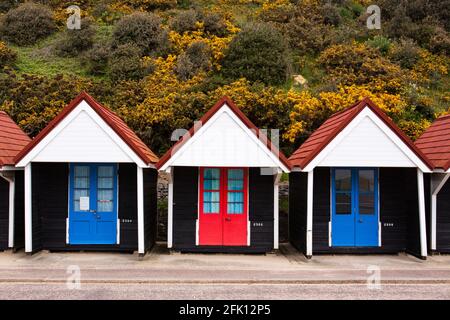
(92, 211)
(360, 221)
(227, 219)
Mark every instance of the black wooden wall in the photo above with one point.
(19, 211)
(4, 213)
(398, 212)
(297, 209)
(150, 207)
(443, 219)
(185, 212)
(50, 208)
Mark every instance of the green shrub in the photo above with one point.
(381, 43)
(75, 41)
(440, 42)
(27, 24)
(6, 5)
(214, 24)
(7, 56)
(148, 5)
(184, 21)
(309, 34)
(96, 59)
(125, 63)
(259, 53)
(356, 8)
(33, 101)
(104, 12)
(143, 30)
(195, 58)
(331, 14)
(405, 53)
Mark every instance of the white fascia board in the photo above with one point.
(10, 168)
(438, 180)
(224, 109)
(383, 127)
(83, 106)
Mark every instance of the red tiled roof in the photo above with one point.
(12, 140)
(335, 124)
(114, 121)
(435, 143)
(207, 116)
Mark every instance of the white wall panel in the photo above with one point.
(367, 145)
(224, 141)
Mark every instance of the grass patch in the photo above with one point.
(40, 59)
(284, 204)
(29, 60)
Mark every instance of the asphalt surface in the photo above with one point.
(163, 274)
(226, 292)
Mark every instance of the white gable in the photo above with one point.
(224, 141)
(82, 136)
(367, 142)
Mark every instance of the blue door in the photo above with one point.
(93, 204)
(354, 207)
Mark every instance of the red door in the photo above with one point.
(223, 206)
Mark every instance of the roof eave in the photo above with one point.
(164, 162)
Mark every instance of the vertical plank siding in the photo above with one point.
(443, 219)
(127, 204)
(321, 210)
(19, 211)
(185, 207)
(150, 207)
(297, 209)
(4, 213)
(185, 212)
(261, 208)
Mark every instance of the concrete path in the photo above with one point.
(161, 274)
(222, 292)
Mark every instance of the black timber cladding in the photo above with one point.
(185, 212)
(19, 211)
(50, 208)
(150, 207)
(4, 213)
(399, 214)
(443, 219)
(298, 182)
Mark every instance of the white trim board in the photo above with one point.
(344, 152)
(224, 141)
(49, 148)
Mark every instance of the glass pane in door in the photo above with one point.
(105, 188)
(366, 197)
(211, 190)
(343, 191)
(235, 192)
(81, 186)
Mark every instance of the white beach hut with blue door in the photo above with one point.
(90, 183)
(357, 186)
